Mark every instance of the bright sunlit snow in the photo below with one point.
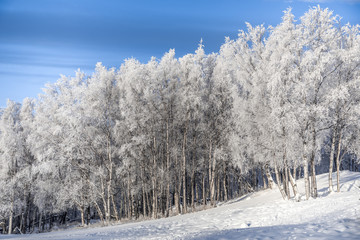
(261, 215)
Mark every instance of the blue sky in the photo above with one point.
(41, 39)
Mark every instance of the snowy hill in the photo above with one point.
(261, 215)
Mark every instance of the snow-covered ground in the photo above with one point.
(261, 215)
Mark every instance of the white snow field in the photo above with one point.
(261, 215)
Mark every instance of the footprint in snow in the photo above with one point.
(245, 225)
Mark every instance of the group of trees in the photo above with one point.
(174, 134)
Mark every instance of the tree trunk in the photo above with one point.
(51, 221)
(143, 190)
(109, 181)
(286, 182)
(331, 166)
(167, 168)
(218, 195)
(240, 188)
(114, 207)
(40, 222)
(338, 160)
(34, 219)
(176, 199)
(179, 194)
(26, 226)
(177, 189)
(294, 186)
(224, 184)
(306, 177)
(193, 180)
(263, 175)
(103, 197)
(255, 178)
(144, 197)
(154, 207)
(203, 190)
(313, 180)
(99, 212)
(283, 194)
(192, 184)
(22, 220)
(285, 170)
(11, 215)
(148, 206)
(82, 216)
(212, 164)
(270, 180)
(184, 172)
(88, 216)
(133, 206)
(128, 197)
(154, 200)
(299, 173)
(312, 166)
(197, 192)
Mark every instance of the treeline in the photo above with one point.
(178, 134)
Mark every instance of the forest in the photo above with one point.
(179, 134)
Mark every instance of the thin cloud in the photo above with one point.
(327, 1)
(316, 1)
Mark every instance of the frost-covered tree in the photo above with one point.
(100, 105)
(11, 158)
(343, 98)
(318, 38)
(244, 67)
(281, 59)
(16, 162)
(160, 138)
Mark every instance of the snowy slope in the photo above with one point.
(262, 215)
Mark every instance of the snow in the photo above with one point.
(260, 215)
